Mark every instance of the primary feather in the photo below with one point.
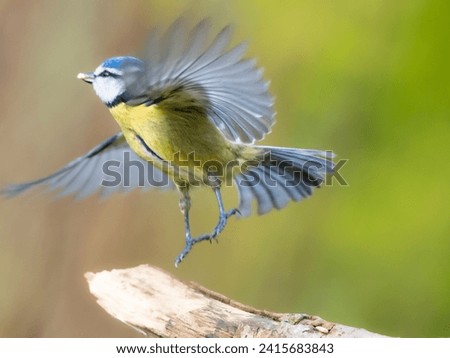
(86, 174)
(232, 89)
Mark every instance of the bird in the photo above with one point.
(190, 110)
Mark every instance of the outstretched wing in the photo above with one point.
(232, 89)
(109, 167)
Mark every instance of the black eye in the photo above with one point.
(105, 73)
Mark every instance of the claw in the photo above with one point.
(187, 248)
(237, 212)
(181, 256)
(190, 242)
(185, 205)
(223, 222)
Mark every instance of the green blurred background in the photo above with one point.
(367, 79)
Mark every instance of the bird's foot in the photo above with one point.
(187, 248)
(223, 222)
(190, 242)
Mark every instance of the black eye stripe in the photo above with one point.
(106, 73)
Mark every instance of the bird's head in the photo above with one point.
(118, 79)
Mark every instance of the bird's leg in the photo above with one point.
(185, 206)
(223, 217)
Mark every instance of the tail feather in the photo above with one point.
(282, 175)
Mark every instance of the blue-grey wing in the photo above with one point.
(231, 88)
(109, 167)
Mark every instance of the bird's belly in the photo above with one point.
(185, 148)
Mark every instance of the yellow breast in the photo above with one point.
(187, 140)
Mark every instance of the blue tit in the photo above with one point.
(189, 113)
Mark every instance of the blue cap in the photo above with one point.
(118, 62)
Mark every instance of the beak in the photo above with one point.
(86, 76)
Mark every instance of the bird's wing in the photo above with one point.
(231, 89)
(109, 167)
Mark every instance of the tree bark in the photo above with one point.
(158, 305)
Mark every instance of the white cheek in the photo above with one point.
(108, 89)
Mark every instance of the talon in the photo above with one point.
(178, 260)
(187, 248)
(190, 242)
(232, 212)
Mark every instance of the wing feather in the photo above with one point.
(88, 173)
(232, 88)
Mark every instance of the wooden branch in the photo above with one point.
(157, 304)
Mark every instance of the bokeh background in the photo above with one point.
(367, 79)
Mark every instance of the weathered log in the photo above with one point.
(159, 305)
